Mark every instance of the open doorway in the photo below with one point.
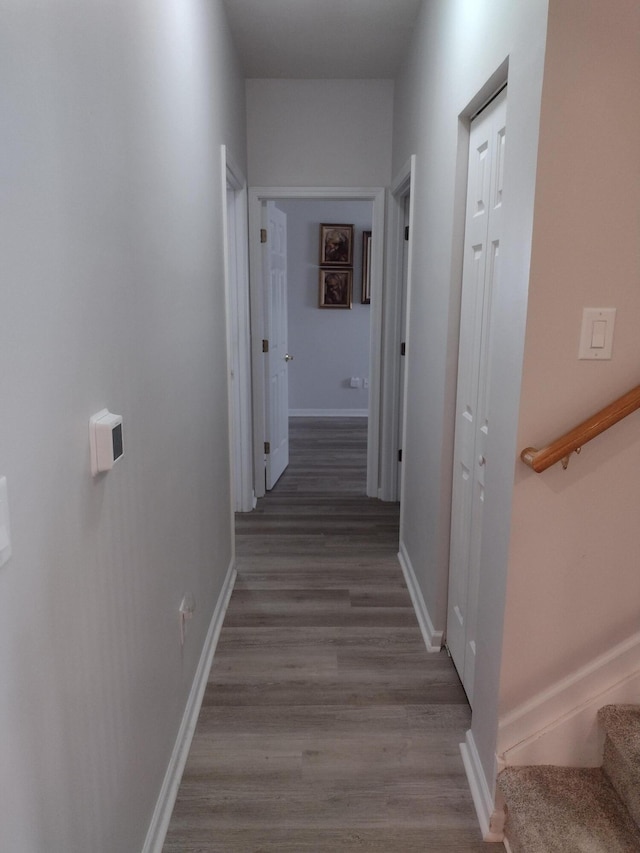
(318, 366)
(374, 199)
(328, 341)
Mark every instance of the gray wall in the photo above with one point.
(326, 133)
(329, 345)
(457, 48)
(112, 295)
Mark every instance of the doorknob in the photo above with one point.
(288, 357)
(481, 460)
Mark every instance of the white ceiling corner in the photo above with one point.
(314, 39)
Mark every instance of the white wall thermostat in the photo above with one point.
(105, 440)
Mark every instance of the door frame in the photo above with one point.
(236, 276)
(396, 278)
(258, 195)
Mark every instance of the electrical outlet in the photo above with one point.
(186, 610)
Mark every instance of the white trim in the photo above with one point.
(491, 820)
(560, 721)
(234, 225)
(257, 195)
(167, 797)
(328, 413)
(390, 439)
(432, 638)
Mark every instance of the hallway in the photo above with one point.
(325, 725)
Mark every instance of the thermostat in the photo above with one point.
(105, 440)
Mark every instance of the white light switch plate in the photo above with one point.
(5, 534)
(596, 334)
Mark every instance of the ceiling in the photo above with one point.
(313, 39)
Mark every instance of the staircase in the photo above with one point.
(580, 809)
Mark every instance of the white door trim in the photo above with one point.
(236, 272)
(390, 440)
(258, 195)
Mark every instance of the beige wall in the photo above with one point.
(112, 295)
(574, 584)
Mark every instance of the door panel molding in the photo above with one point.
(483, 228)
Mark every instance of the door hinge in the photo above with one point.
(263, 235)
(400, 456)
(267, 447)
(406, 232)
(403, 348)
(265, 345)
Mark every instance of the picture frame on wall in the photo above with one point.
(336, 245)
(366, 268)
(335, 288)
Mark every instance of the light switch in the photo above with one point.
(596, 335)
(5, 535)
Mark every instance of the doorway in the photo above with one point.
(329, 344)
(257, 201)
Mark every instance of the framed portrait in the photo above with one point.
(366, 268)
(335, 288)
(336, 245)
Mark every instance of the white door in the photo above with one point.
(479, 280)
(277, 356)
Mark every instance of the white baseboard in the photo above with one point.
(328, 413)
(491, 820)
(166, 800)
(559, 725)
(432, 638)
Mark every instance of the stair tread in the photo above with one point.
(622, 724)
(565, 810)
(621, 758)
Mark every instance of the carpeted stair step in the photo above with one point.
(565, 810)
(621, 760)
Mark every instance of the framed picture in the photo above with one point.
(366, 268)
(335, 288)
(336, 245)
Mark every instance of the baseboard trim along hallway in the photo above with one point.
(491, 819)
(432, 638)
(166, 801)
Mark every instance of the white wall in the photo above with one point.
(319, 132)
(329, 345)
(112, 295)
(458, 47)
(574, 584)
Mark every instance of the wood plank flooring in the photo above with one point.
(325, 726)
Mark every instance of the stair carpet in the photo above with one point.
(580, 810)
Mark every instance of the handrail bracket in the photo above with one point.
(561, 449)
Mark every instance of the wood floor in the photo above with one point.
(325, 726)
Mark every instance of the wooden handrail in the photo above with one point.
(561, 449)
